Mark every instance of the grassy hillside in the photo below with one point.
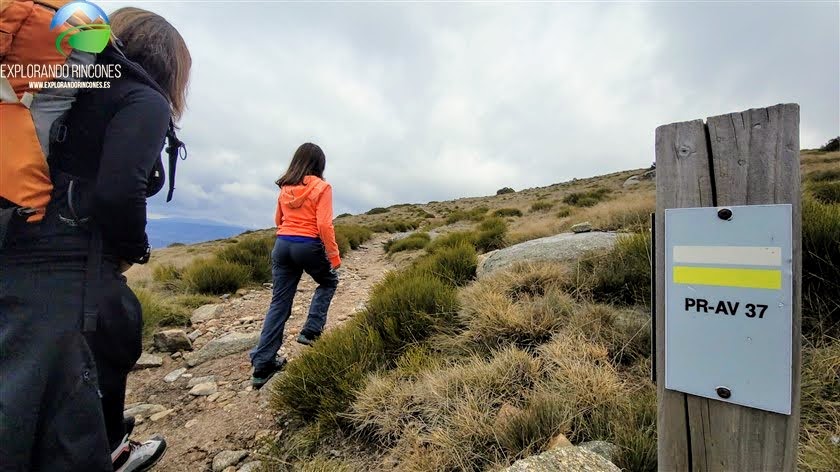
(439, 372)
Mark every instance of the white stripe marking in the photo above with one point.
(735, 255)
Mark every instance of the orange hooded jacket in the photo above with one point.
(306, 210)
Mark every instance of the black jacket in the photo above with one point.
(114, 139)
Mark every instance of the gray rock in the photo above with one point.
(194, 335)
(172, 340)
(220, 347)
(649, 175)
(147, 361)
(206, 313)
(605, 449)
(174, 375)
(561, 247)
(584, 227)
(161, 415)
(631, 182)
(564, 459)
(226, 459)
(144, 410)
(251, 467)
(201, 380)
(204, 389)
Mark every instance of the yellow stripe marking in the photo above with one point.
(727, 277)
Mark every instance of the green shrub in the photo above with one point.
(505, 190)
(505, 212)
(832, 145)
(824, 176)
(192, 301)
(476, 214)
(216, 276)
(452, 240)
(157, 312)
(411, 242)
(620, 276)
(541, 206)
(395, 226)
(586, 199)
(826, 192)
(167, 275)
(564, 212)
(343, 243)
(455, 265)
(253, 253)
(820, 269)
(176, 245)
(491, 234)
(404, 308)
(356, 235)
(377, 211)
(323, 381)
(343, 215)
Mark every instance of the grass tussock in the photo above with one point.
(826, 192)
(350, 237)
(454, 239)
(588, 198)
(159, 312)
(404, 309)
(830, 175)
(507, 212)
(377, 211)
(215, 276)
(820, 270)
(620, 276)
(541, 206)
(399, 226)
(820, 406)
(411, 242)
(492, 234)
(167, 275)
(252, 253)
(475, 214)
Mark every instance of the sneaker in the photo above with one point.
(261, 377)
(132, 456)
(306, 340)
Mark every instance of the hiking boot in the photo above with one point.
(132, 456)
(262, 376)
(306, 340)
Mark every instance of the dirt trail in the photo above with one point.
(197, 429)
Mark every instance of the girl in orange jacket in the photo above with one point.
(305, 243)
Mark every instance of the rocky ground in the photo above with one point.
(202, 401)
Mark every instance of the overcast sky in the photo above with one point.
(414, 102)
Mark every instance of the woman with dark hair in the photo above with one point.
(305, 243)
(71, 327)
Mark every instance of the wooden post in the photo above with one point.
(746, 158)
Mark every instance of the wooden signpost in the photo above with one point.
(746, 158)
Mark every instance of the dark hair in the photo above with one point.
(309, 159)
(149, 40)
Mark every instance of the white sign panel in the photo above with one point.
(728, 304)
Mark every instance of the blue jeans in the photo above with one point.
(288, 262)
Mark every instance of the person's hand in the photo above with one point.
(124, 266)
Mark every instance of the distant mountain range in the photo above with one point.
(165, 231)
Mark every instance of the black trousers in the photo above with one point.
(62, 391)
(116, 346)
(50, 410)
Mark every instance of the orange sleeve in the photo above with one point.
(278, 214)
(324, 211)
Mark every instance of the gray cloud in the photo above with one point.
(419, 102)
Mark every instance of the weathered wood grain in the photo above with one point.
(748, 158)
(755, 160)
(682, 181)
